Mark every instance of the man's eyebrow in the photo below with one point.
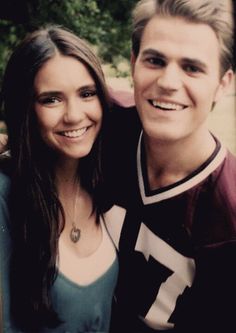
(191, 61)
(153, 52)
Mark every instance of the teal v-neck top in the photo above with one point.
(84, 308)
(81, 308)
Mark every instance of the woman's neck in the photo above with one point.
(76, 201)
(66, 176)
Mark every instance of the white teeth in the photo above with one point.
(75, 133)
(168, 106)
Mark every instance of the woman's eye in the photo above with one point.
(49, 100)
(88, 93)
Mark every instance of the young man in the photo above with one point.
(173, 182)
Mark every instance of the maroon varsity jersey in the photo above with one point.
(176, 245)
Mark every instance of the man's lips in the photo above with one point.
(166, 106)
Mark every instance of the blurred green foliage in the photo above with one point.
(103, 23)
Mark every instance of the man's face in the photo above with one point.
(177, 78)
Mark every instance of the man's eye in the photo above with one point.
(155, 61)
(192, 69)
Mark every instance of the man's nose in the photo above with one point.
(170, 78)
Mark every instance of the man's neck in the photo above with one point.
(169, 162)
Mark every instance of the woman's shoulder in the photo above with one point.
(4, 184)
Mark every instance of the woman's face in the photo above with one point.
(67, 107)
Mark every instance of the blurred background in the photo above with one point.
(106, 25)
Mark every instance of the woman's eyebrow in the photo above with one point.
(47, 93)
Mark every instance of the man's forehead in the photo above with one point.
(177, 28)
(178, 37)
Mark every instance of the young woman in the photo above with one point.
(63, 266)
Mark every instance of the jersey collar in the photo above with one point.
(150, 197)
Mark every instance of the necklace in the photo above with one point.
(75, 232)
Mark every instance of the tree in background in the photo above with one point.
(103, 23)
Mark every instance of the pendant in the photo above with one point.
(74, 234)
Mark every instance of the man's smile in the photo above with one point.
(168, 106)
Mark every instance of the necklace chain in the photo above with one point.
(75, 232)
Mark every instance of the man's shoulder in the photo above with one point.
(124, 112)
(124, 98)
(231, 160)
(224, 185)
(227, 176)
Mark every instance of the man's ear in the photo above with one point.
(224, 84)
(132, 62)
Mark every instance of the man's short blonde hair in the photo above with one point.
(215, 13)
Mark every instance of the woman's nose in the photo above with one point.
(74, 111)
